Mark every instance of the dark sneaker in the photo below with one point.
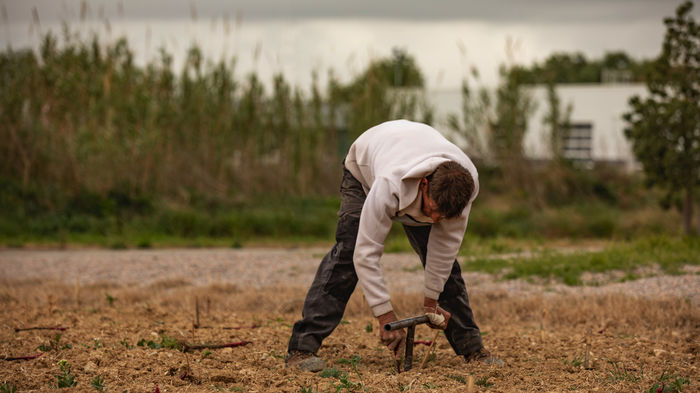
(305, 361)
(485, 357)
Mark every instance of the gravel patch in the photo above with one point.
(258, 268)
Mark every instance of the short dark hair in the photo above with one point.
(450, 186)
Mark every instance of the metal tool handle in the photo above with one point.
(404, 323)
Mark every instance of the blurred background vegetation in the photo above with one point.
(98, 150)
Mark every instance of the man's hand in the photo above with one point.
(438, 317)
(394, 340)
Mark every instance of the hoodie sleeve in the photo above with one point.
(375, 222)
(443, 244)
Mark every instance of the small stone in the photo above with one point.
(90, 367)
(658, 352)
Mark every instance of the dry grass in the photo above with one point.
(493, 307)
(645, 336)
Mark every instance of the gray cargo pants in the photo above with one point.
(336, 279)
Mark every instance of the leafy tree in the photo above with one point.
(476, 112)
(576, 68)
(665, 126)
(508, 127)
(494, 125)
(399, 70)
(369, 93)
(502, 116)
(558, 121)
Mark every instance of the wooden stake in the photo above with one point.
(77, 293)
(30, 357)
(587, 359)
(430, 348)
(189, 347)
(196, 312)
(544, 315)
(187, 371)
(470, 384)
(22, 329)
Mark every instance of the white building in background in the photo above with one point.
(597, 127)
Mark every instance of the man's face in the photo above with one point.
(429, 208)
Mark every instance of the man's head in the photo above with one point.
(446, 191)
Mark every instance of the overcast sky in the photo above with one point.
(297, 37)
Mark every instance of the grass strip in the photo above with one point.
(670, 254)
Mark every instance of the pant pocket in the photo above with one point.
(341, 282)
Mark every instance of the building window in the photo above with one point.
(577, 143)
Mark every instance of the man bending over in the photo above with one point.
(406, 172)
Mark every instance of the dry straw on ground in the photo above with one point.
(641, 336)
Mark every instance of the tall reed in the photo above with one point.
(84, 116)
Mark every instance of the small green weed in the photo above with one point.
(354, 361)
(332, 372)
(206, 353)
(483, 382)
(576, 362)
(432, 356)
(165, 342)
(620, 373)
(66, 379)
(8, 388)
(54, 344)
(282, 322)
(668, 383)
(110, 299)
(429, 385)
(96, 343)
(369, 328)
(344, 381)
(344, 322)
(169, 342)
(276, 355)
(126, 344)
(457, 378)
(98, 383)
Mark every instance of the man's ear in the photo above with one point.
(423, 185)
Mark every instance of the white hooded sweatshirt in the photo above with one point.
(389, 160)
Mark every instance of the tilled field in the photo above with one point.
(130, 332)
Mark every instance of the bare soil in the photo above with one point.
(110, 301)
